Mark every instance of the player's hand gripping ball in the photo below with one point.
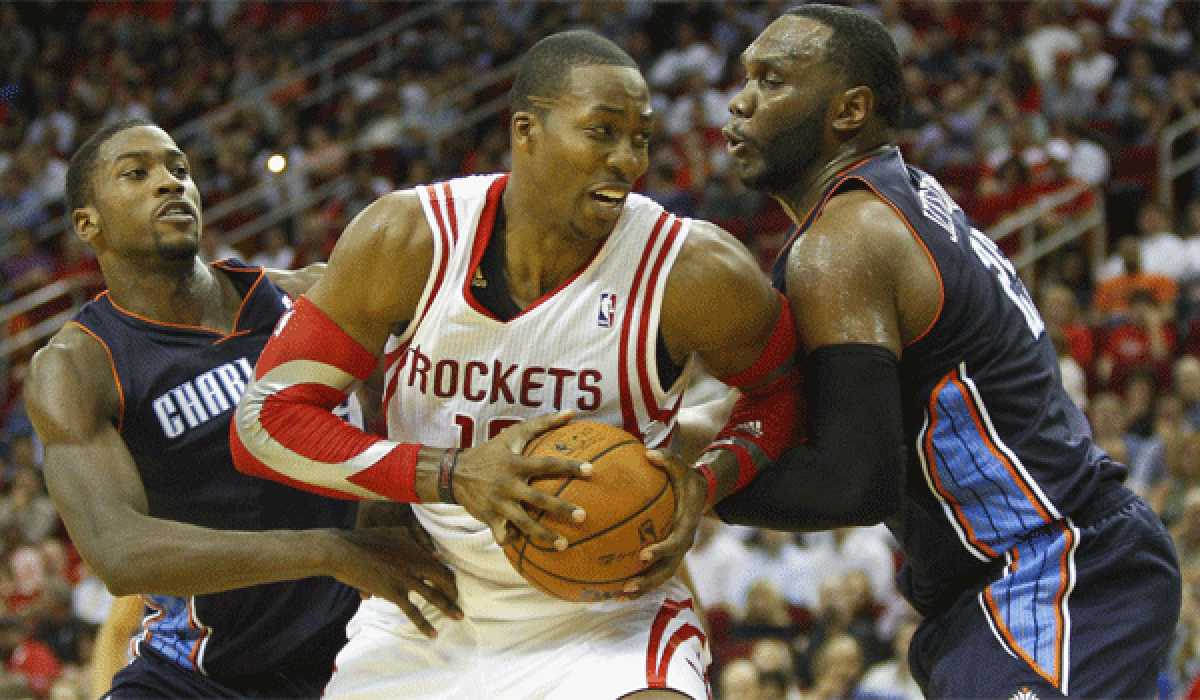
(629, 503)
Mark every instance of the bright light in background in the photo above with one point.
(276, 163)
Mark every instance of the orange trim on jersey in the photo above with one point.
(816, 208)
(262, 274)
(116, 377)
(931, 460)
(204, 630)
(223, 336)
(936, 270)
(986, 436)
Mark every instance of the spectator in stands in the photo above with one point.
(868, 549)
(1060, 310)
(1086, 160)
(691, 53)
(276, 251)
(1093, 68)
(28, 268)
(776, 668)
(1144, 336)
(20, 205)
(764, 614)
(68, 637)
(1186, 533)
(836, 668)
(1110, 428)
(948, 139)
(1048, 37)
(774, 556)
(1122, 275)
(26, 509)
(1183, 474)
(891, 679)
(1139, 79)
(1061, 98)
(714, 562)
(1185, 384)
(739, 680)
(26, 658)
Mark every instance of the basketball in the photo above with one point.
(629, 503)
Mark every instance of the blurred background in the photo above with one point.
(1066, 129)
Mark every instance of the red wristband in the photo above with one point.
(711, 477)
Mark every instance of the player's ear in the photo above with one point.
(87, 223)
(852, 108)
(524, 128)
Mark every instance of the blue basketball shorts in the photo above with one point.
(1082, 610)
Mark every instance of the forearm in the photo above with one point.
(150, 555)
(852, 470)
(284, 428)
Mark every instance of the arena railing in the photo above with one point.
(1032, 247)
(1170, 167)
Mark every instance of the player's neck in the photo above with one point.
(184, 294)
(799, 200)
(538, 258)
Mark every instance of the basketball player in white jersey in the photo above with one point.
(503, 305)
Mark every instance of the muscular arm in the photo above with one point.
(72, 400)
(283, 427)
(859, 285)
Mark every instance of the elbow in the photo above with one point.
(878, 497)
(120, 570)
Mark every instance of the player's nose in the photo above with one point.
(742, 103)
(168, 182)
(628, 159)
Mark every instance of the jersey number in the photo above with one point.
(466, 428)
(995, 261)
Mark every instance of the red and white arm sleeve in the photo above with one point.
(769, 417)
(284, 428)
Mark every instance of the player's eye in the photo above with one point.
(601, 131)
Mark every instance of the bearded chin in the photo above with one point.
(178, 251)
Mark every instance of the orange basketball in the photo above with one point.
(629, 504)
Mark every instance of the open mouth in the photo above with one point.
(609, 197)
(177, 211)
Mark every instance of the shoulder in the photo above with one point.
(712, 265)
(393, 223)
(716, 284)
(381, 262)
(856, 231)
(72, 373)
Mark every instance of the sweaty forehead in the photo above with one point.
(789, 38)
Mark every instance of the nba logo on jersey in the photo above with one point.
(608, 309)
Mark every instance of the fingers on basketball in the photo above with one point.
(629, 504)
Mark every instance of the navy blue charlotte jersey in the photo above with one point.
(997, 449)
(179, 387)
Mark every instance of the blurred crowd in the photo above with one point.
(1010, 101)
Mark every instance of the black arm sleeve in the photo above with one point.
(852, 469)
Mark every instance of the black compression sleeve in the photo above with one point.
(851, 470)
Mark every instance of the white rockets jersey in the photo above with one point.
(457, 375)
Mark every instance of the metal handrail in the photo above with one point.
(1169, 168)
(50, 292)
(1023, 221)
